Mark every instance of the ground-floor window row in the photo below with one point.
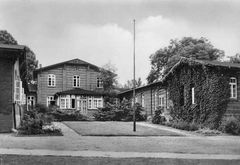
(79, 102)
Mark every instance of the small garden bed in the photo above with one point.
(229, 125)
(38, 122)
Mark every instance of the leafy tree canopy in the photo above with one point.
(7, 38)
(235, 59)
(129, 83)
(188, 47)
(109, 77)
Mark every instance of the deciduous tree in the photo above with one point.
(109, 77)
(188, 47)
(7, 38)
(235, 59)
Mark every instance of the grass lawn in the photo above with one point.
(115, 129)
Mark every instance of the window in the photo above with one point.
(18, 90)
(90, 103)
(116, 101)
(161, 102)
(142, 100)
(233, 87)
(193, 95)
(76, 81)
(97, 102)
(62, 103)
(31, 100)
(156, 99)
(94, 104)
(65, 102)
(51, 80)
(23, 97)
(50, 100)
(99, 82)
(182, 99)
(73, 106)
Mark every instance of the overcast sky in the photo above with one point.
(101, 31)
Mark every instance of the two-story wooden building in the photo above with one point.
(12, 95)
(73, 84)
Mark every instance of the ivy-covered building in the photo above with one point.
(194, 90)
(203, 91)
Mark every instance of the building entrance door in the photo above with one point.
(82, 105)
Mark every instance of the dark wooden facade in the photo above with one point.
(150, 97)
(11, 63)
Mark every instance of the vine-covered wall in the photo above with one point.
(212, 92)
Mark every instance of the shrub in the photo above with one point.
(34, 120)
(51, 129)
(183, 125)
(231, 125)
(121, 112)
(31, 123)
(139, 116)
(208, 132)
(68, 116)
(158, 118)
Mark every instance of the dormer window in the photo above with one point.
(99, 82)
(233, 88)
(51, 80)
(76, 81)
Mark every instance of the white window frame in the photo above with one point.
(99, 82)
(76, 81)
(156, 99)
(66, 100)
(161, 101)
(193, 95)
(232, 83)
(142, 100)
(90, 103)
(18, 91)
(51, 80)
(31, 99)
(49, 99)
(97, 102)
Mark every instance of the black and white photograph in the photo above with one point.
(119, 82)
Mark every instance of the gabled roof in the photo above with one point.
(13, 47)
(70, 62)
(142, 87)
(207, 63)
(9, 51)
(189, 61)
(80, 91)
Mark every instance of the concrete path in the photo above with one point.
(117, 154)
(189, 149)
(99, 157)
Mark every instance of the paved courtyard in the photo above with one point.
(187, 147)
(72, 141)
